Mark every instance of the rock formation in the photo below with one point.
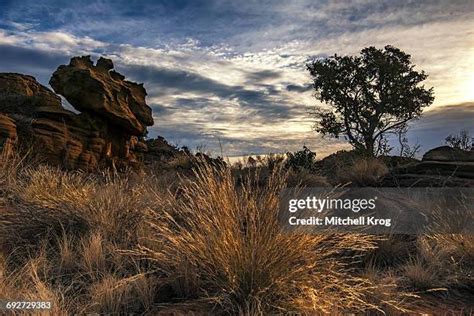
(8, 135)
(110, 126)
(102, 91)
(448, 154)
(441, 166)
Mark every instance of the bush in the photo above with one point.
(463, 140)
(342, 159)
(303, 159)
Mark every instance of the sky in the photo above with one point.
(229, 77)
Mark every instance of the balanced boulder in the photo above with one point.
(101, 90)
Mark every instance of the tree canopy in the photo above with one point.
(369, 95)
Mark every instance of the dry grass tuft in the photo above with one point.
(93, 254)
(75, 225)
(420, 275)
(221, 245)
(362, 172)
(114, 295)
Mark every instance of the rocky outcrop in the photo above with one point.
(441, 166)
(23, 95)
(448, 154)
(159, 155)
(158, 149)
(108, 130)
(101, 90)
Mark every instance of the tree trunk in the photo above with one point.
(369, 147)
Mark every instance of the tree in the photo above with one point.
(369, 96)
(462, 140)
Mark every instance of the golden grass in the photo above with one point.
(221, 245)
(364, 171)
(127, 243)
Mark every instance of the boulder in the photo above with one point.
(23, 95)
(99, 89)
(448, 154)
(440, 167)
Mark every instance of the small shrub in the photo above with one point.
(463, 140)
(303, 159)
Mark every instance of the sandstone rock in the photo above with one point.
(140, 147)
(22, 94)
(7, 128)
(69, 146)
(107, 132)
(8, 134)
(104, 92)
(448, 154)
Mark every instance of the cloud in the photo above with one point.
(236, 70)
(299, 88)
(449, 117)
(30, 61)
(182, 82)
(435, 124)
(53, 41)
(264, 75)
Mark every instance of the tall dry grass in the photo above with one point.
(221, 245)
(363, 171)
(61, 233)
(125, 243)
